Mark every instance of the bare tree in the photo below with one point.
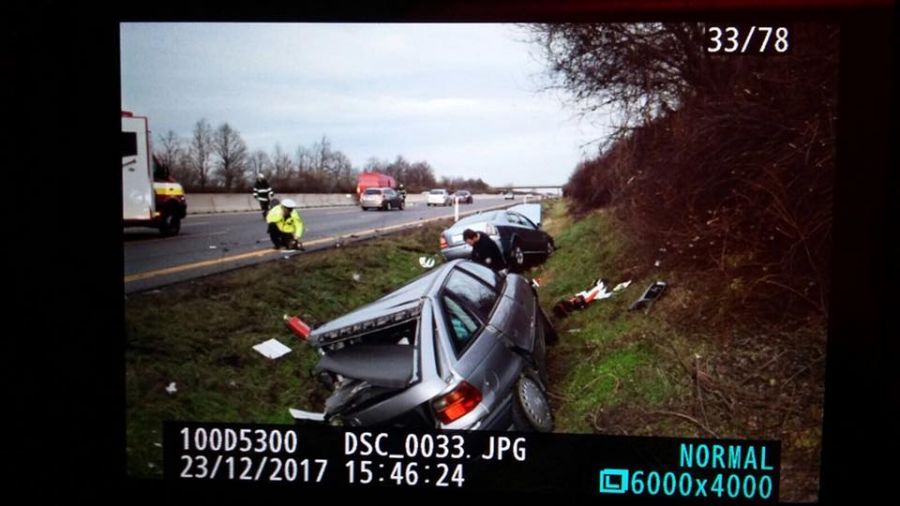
(725, 161)
(169, 149)
(639, 70)
(232, 153)
(183, 172)
(320, 153)
(341, 171)
(419, 177)
(304, 159)
(200, 150)
(398, 169)
(259, 163)
(374, 164)
(281, 164)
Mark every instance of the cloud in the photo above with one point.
(461, 96)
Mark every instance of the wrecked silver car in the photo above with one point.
(460, 347)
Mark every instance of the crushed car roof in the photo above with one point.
(406, 297)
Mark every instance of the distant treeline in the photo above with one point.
(721, 163)
(218, 161)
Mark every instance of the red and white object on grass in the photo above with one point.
(298, 327)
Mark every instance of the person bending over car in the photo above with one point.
(285, 226)
(484, 250)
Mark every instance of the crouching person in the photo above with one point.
(285, 226)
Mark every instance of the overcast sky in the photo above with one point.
(464, 97)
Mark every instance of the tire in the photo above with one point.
(170, 225)
(531, 408)
(539, 356)
(388, 206)
(516, 255)
(365, 209)
(550, 247)
(402, 204)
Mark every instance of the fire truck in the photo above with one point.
(150, 198)
(368, 180)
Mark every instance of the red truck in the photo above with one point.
(373, 180)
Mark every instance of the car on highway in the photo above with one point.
(381, 198)
(464, 196)
(519, 236)
(458, 348)
(509, 196)
(439, 197)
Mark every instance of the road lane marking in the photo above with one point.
(206, 263)
(265, 252)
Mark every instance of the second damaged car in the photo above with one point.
(460, 347)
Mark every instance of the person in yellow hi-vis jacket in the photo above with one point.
(285, 226)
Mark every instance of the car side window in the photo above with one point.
(521, 220)
(462, 325)
(477, 296)
(483, 273)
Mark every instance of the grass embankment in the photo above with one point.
(200, 335)
(607, 356)
(687, 367)
(678, 369)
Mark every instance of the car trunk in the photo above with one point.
(387, 366)
(368, 368)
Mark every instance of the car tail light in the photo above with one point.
(443, 242)
(453, 406)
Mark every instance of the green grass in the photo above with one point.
(200, 334)
(607, 355)
(612, 371)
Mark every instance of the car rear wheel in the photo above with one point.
(388, 206)
(531, 409)
(517, 255)
(171, 225)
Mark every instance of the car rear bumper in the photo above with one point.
(371, 203)
(458, 251)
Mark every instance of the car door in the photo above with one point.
(536, 237)
(513, 317)
(480, 355)
(522, 231)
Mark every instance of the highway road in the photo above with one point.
(210, 243)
